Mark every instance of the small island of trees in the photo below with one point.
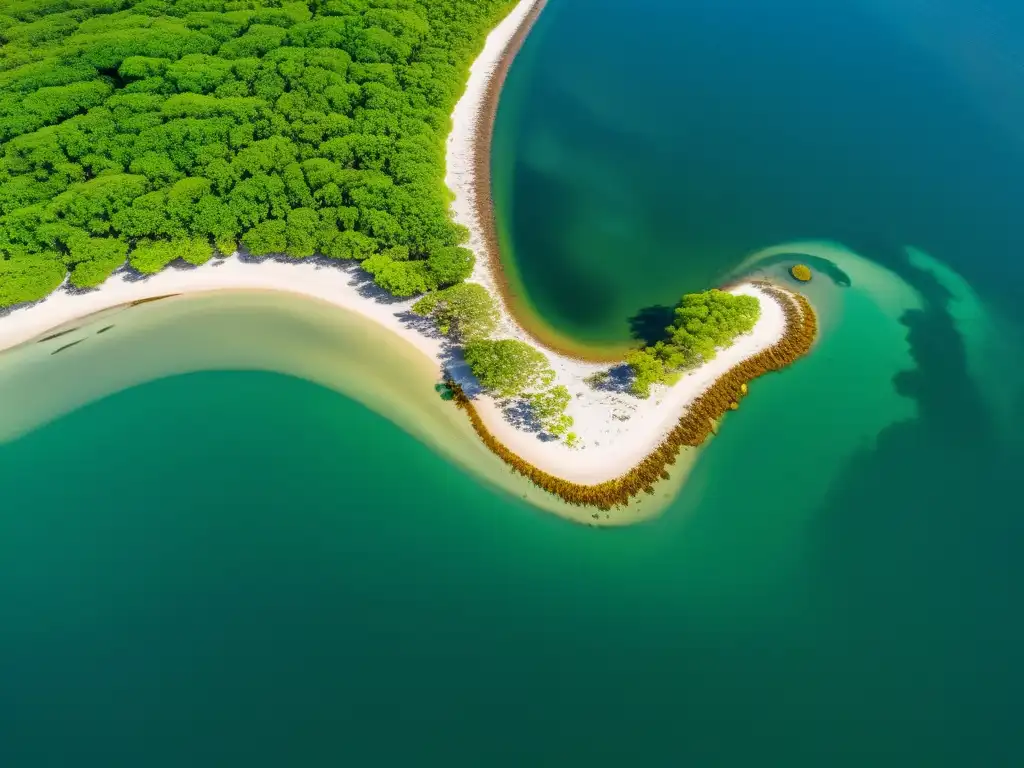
(156, 130)
(801, 272)
(704, 322)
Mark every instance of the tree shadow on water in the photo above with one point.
(649, 324)
(818, 264)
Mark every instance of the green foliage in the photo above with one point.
(648, 368)
(266, 237)
(801, 272)
(467, 311)
(172, 126)
(549, 407)
(348, 245)
(95, 259)
(25, 278)
(704, 322)
(150, 256)
(550, 402)
(194, 250)
(712, 319)
(508, 367)
(450, 265)
(303, 232)
(400, 278)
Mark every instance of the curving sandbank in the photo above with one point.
(697, 422)
(616, 431)
(274, 332)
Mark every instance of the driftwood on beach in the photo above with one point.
(693, 428)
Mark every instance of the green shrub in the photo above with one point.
(801, 272)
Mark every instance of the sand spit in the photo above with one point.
(698, 420)
(616, 430)
(468, 159)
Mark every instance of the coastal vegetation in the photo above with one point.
(508, 367)
(549, 407)
(801, 272)
(693, 428)
(465, 311)
(148, 131)
(704, 323)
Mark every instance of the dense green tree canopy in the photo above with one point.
(704, 322)
(160, 129)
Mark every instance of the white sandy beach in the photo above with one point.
(615, 429)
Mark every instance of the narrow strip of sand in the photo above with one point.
(468, 159)
(615, 429)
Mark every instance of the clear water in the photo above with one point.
(245, 568)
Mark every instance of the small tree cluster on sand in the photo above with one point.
(704, 323)
(466, 311)
(507, 368)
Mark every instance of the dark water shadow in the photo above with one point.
(66, 346)
(915, 571)
(57, 335)
(558, 284)
(818, 264)
(650, 324)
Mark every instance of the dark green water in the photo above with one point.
(646, 148)
(237, 568)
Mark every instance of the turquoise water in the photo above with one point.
(245, 568)
(234, 567)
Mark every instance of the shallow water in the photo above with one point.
(269, 331)
(231, 567)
